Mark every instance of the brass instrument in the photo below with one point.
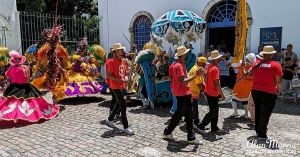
(132, 76)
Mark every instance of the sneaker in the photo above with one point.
(234, 115)
(195, 142)
(110, 123)
(169, 137)
(262, 138)
(244, 116)
(251, 122)
(128, 131)
(199, 130)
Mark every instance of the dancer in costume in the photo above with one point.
(4, 65)
(82, 73)
(242, 89)
(52, 65)
(22, 100)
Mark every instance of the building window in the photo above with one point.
(142, 29)
(223, 14)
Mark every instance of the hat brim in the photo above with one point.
(177, 55)
(264, 52)
(119, 48)
(14, 62)
(259, 57)
(209, 58)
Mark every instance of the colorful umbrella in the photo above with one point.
(178, 25)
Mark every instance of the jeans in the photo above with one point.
(196, 119)
(264, 105)
(184, 109)
(174, 107)
(120, 105)
(213, 115)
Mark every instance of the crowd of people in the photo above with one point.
(256, 85)
(210, 73)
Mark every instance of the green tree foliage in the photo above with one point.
(65, 7)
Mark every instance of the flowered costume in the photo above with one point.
(84, 70)
(22, 100)
(52, 64)
(4, 60)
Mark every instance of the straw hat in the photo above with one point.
(181, 51)
(268, 50)
(16, 58)
(117, 46)
(202, 60)
(215, 55)
(251, 57)
(259, 56)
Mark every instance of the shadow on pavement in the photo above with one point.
(19, 124)
(177, 146)
(160, 113)
(112, 133)
(80, 100)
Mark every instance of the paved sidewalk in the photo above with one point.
(80, 130)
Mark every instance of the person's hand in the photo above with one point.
(222, 98)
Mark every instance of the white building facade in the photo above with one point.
(276, 20)
(10, 35)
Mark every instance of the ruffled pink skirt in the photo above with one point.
(30, 110)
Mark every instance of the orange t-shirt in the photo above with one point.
(115, 66)
(213, 74)
(179, 89)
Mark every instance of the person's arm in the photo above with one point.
(219, 88)
(110, 76)
(278, 82)
(185, 79)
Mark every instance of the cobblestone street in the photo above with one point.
(80, 130)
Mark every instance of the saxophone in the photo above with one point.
(132, 75)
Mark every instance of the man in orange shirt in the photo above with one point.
(213, 92)
(181, 89)
(115, 73)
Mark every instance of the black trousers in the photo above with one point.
(196, 119)
(264, 105)
(112, 102)
(120, 105)
(213, 115)
(184, 108)
(225, 81)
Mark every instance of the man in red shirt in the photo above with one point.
(266, 84)
(213, 92)
(181, 89)
(115, 73)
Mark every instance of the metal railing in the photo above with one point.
(3, 36)
(32, 24)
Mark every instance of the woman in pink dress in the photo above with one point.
(22, 101)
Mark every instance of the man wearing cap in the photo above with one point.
(213, 93)
(115, 72)
(196, 87)
(266, 84)
(181, 89)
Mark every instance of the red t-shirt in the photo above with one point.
(178, 88)
(115, 66)
(264, 76)
(171, 69)
(213, 74)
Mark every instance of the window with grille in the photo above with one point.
(142, 29)
(223, 14)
